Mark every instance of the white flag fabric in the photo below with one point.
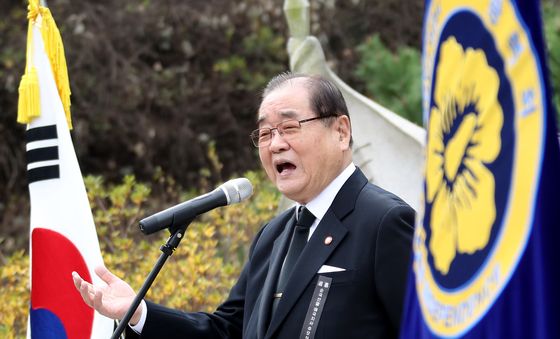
(63, 236)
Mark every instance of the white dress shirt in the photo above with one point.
(321, 203)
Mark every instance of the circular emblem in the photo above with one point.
(483, 99)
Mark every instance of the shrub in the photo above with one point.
(14, 277)
(551, 20)
(392, 79)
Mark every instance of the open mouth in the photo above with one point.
(285, 167)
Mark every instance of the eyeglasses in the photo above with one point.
(262, 137)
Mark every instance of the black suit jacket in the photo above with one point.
(372, 239)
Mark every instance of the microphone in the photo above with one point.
(230, 192)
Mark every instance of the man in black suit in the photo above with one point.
(345, 279)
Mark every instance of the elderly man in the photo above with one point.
(334, 266)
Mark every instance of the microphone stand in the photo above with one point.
(168, 248)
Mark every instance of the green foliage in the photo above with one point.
(197, 277)
(261, 41)
(180, 75)
(392, 79)
(551, 18)
(14, 277)
(116, 208)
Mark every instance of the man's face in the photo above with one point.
(301, 166)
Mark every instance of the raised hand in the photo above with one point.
(111, 300)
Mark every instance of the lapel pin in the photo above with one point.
(328, 240)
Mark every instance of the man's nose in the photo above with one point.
(277, 141)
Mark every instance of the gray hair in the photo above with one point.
(325, 98)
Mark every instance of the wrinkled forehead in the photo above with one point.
(289, 101)
(277, 116)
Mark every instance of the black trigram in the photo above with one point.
(38, 154)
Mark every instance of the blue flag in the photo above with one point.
(484, 261)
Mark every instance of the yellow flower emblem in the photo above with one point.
(464, 137)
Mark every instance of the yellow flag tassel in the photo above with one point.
(28, 103)
(55, 51)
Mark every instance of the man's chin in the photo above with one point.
(287, 190)
(291, 192)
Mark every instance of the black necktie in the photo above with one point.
(299, 239)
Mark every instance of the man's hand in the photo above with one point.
(111, 300)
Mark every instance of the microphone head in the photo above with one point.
(237, 190)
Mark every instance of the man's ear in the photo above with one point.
(344, 129)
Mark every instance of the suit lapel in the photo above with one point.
(312, 258)
(276, 258)
(316, 252)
